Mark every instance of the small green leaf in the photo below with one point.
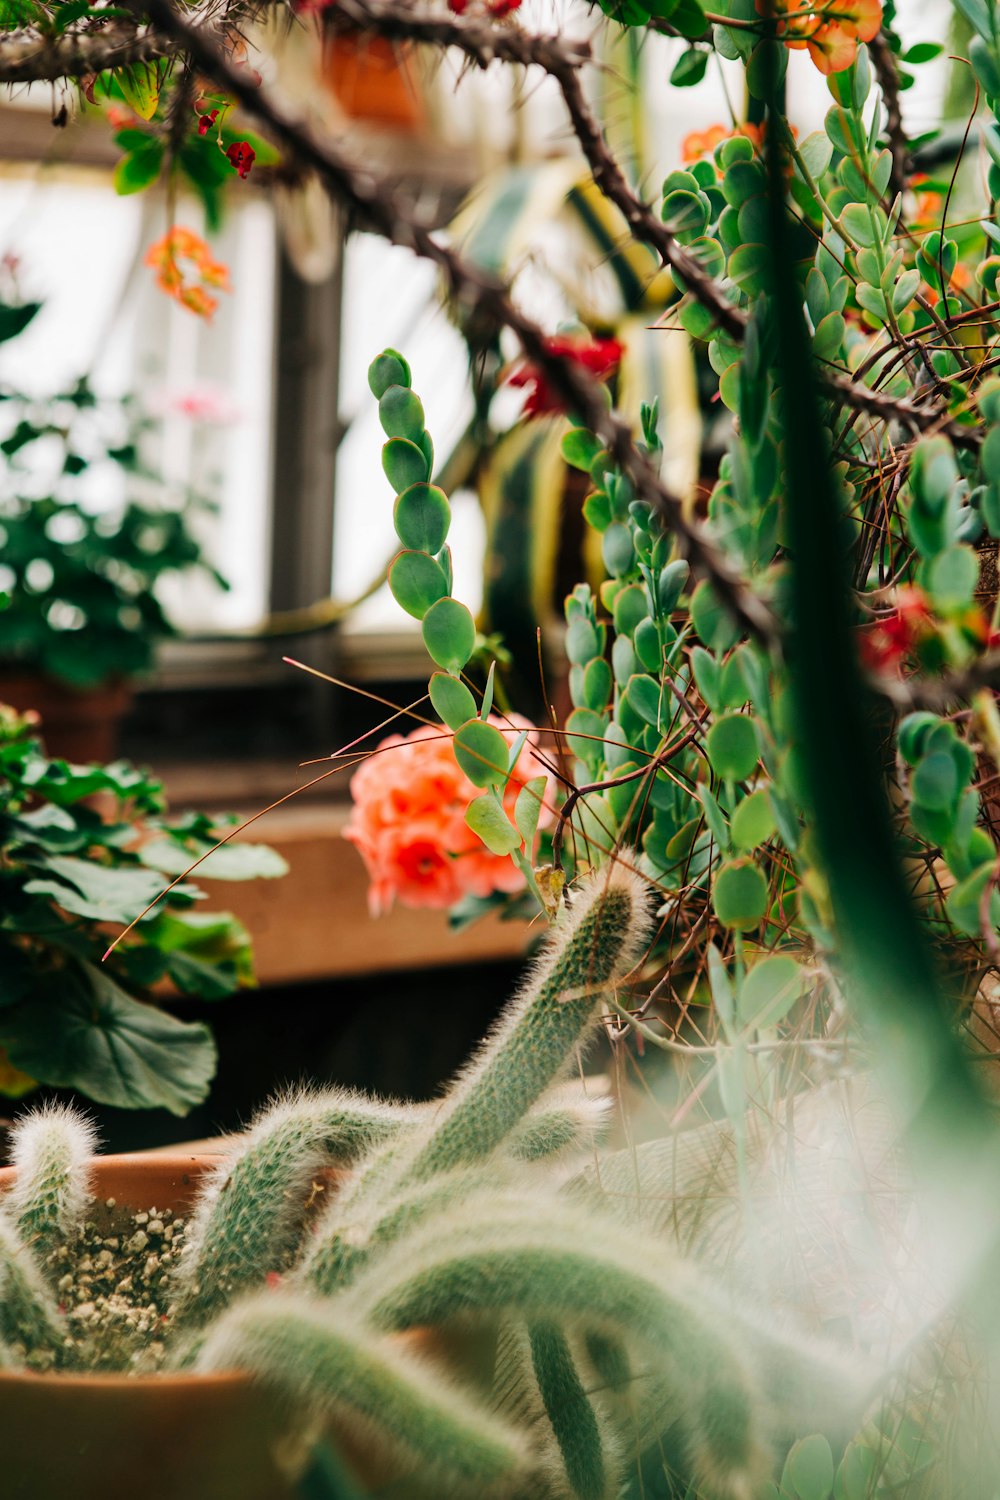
(597, 685)
(580, 448)
(481, 752)
(417, 581)
(449, 633)
(585, 735)
(731, 747)
(486, 817)
(404, 464)
(582, 640)
(401, 413)
(630, 606)
(139, 169)
(934, 783)
(739, 895)
(712, 621)
(721, 987)
(689, 19)
(140, 83)
(528, 809)
(951, 577)
(643, 696)
(487, 703)
(857, 220)
(422, 516)
(964, 903)
(753, 822)
(452, 700)
(714, 817)
(388, 368)
(769, 991)
(808, 1472)
(689, 68)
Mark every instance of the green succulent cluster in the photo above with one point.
(454, 1217)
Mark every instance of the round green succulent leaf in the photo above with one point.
(449, 633)
(731, 746)
(404, 463)
(386, 369)
(739, 894)
(421, 516)
(753, 822)
(481, 751)
(451, 699)
(417, 581)
(486, 817)
(401, 413)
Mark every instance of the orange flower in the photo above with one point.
(830, 29)
(703, 142)
(180, 244)
(408, 821)
(927, 206)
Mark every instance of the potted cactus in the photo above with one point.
(296, 1306)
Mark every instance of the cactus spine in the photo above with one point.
(316, 1355)
(50, 1150)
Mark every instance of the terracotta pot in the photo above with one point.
(372, 80)
(161, 1437)
(77, 724)
(170, 1437)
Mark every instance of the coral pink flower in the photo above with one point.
(408, 821)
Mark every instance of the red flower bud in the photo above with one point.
(207, 121)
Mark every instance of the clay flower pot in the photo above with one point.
(159, 1437)
(372, 80)
(78, 724)
(172, 1436)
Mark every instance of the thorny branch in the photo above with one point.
(480, 295)
(30, 58)
(562, 64)
(481, 42)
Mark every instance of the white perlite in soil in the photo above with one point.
(112, 1282)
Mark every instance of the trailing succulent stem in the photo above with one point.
(317, 1357)
(50, 1149)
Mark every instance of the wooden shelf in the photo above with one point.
(314, 923)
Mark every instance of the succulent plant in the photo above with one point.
(605, 1340)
